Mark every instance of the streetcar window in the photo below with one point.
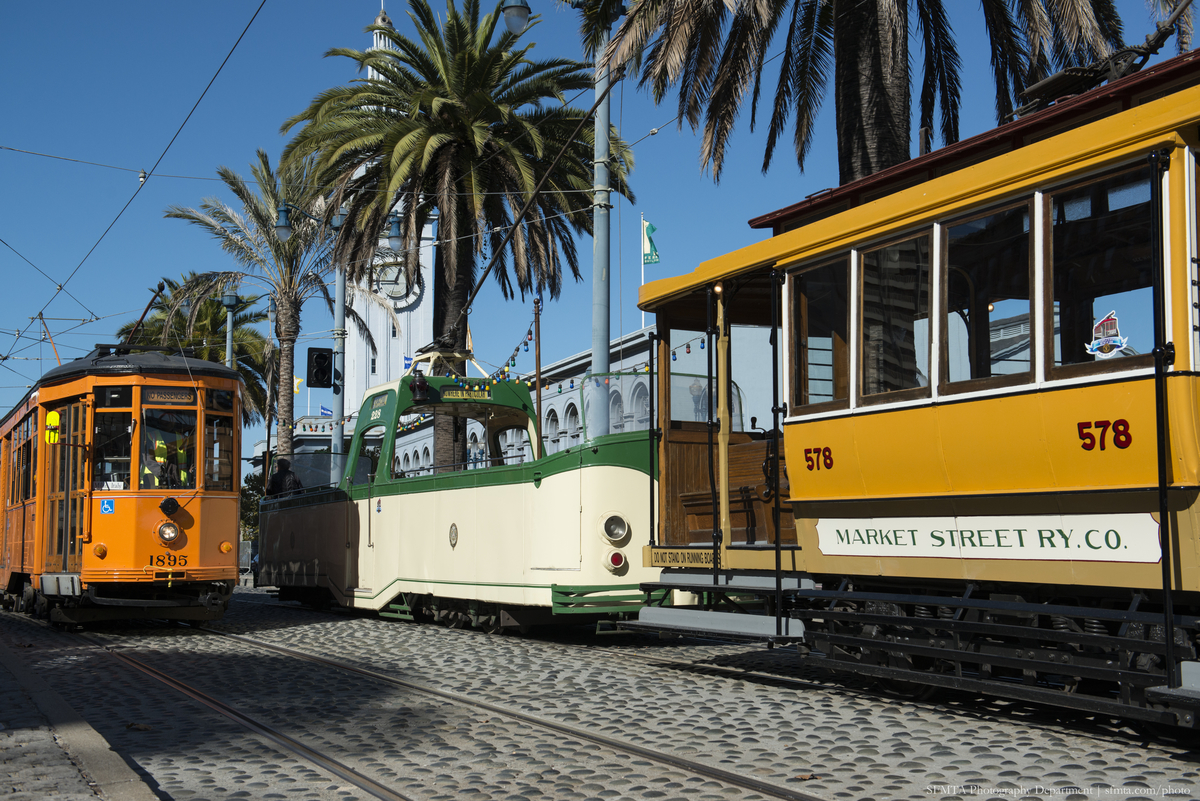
(168, 449)
(220, 400)
(114, 397)
(366, 454)
(31, 462)
(988, 327)
(218, 452)
(406, 427)
(689, 375)
(821, 317)
(895, 317)
(112, 449)
(1102, 271)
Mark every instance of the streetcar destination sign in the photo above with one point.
(1077, 538)
(466, 394)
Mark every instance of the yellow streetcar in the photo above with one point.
(120, 480)
(981, 372)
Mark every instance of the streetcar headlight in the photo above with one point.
(614, 561)
(615, 529)
(100, 549)
(168, 532)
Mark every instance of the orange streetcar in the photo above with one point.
(120, 479)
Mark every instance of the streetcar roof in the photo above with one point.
(827, 215)
(116, 360)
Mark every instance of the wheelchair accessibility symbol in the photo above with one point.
(108, 506)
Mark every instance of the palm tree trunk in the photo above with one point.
(449, 434)
(289, 330)
(871, 86)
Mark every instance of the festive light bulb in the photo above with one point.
(527, 347)
(559, 387)
(702, 344)
(687, 348)
(529, 336)
(674, 357)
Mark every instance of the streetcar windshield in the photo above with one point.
(168, 449)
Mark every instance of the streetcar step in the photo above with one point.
(731, 625)
(399, 612)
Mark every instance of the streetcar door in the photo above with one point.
(67, 490)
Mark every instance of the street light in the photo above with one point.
(516, 15)
(395, 238)
(283, 229)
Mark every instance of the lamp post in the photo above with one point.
(516, 16)
(230, 301)
(283, 229)
(600, 241)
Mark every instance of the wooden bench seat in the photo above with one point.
(750, 502)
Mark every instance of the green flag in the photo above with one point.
(649, 251)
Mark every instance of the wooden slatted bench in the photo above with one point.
(750, 502)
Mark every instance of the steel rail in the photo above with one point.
(338, 769)
(768, 789)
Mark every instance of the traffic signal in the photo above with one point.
(320, 368)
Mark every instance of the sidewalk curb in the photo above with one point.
(112, 777)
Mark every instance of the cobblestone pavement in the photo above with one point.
(826, 739)
(36, 766)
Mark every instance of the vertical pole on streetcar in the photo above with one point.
(652, 429)
(1164, 356)
(774, 445)
(712, 478)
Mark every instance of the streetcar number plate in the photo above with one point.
(167, 560)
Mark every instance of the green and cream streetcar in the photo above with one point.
(487, 540)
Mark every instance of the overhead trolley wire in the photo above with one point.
(62, 286)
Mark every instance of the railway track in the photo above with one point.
(719, 707)
(962, 702)
(725, 777)
(142, 655)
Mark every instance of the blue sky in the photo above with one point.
(111, 83)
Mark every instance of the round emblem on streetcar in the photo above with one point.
(453, 534)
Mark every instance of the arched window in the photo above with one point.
(616, 413)
(551, 432)
(641, 407)
(426, 461)
(474, 452)
(416, 462)
(572, 425)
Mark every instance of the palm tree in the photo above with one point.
(206, 338)
(716, 51)
(291, 271)
(460, 124)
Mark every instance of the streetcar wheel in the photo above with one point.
(41, 607)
